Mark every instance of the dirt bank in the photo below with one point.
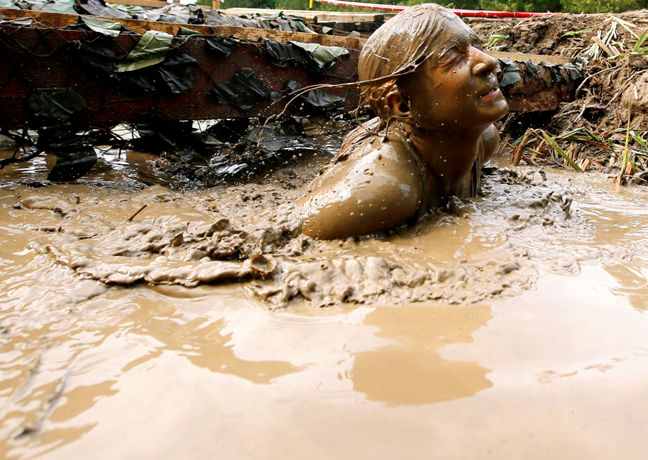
(608, 116)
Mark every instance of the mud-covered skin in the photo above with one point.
(432, 136)
(383, 184)
(379, 187)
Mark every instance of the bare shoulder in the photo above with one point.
(377, 187)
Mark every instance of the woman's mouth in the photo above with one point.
(491, 94)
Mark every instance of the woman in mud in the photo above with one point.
(436, 96)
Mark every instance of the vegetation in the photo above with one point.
(605, 129)
(568, 6)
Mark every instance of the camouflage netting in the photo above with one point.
(605, 127)
(160, 67)
(181, 14)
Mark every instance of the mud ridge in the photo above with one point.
(250, 234)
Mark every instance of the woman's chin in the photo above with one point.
(496, 110)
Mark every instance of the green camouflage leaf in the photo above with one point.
(150, 50)
(9, 4)
(61, 6)
(322, 54)
(102, 26)
(187, 31)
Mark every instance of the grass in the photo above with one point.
(639, 46)
(579, 148)
(576, 33)
(612, 135)
(493, 40)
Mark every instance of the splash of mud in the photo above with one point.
(250, 234)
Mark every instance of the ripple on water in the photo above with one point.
(557, 360)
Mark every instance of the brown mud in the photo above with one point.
(509, 325)
(252, 233)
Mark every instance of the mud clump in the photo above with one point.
(250, 235)
(328, 282)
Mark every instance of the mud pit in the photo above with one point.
(512, 325)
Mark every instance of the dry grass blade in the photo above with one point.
(519, 149)
(551, 142)
(626, 154)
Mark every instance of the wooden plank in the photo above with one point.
(46, 56)
(314, 16)
(242, 33)
(148, 3)
(535, 58)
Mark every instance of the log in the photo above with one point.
(37, 60)
(314, 16)
(147, 3)
(54, 20)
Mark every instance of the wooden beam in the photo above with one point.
(314, 16)
(148, 3)
(37, 59)
(535, 58)
(50, 20)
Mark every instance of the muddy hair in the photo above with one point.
(398, 48)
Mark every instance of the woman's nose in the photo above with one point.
(482, 62)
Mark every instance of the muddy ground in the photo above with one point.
(611, 101)
(515, 321)
(141, 318)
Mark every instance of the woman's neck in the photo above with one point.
(448, 156)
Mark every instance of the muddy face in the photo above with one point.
(457, 90)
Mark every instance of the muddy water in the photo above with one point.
(517, 329)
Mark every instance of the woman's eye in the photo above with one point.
(456, 55)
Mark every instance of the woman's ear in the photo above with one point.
(398, 105)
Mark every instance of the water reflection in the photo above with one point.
(202, 341)
(633, 283)
(112, 165)
(413, 370)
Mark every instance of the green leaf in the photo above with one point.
(187, 31)
(493, 40)
(322, 54)
(102, 26)
(575, 33)
(640, 141)
(150, 50)
(640, 42)
(554, 145)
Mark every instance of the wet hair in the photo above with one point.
(399, 47)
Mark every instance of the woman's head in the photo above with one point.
(425, 55)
